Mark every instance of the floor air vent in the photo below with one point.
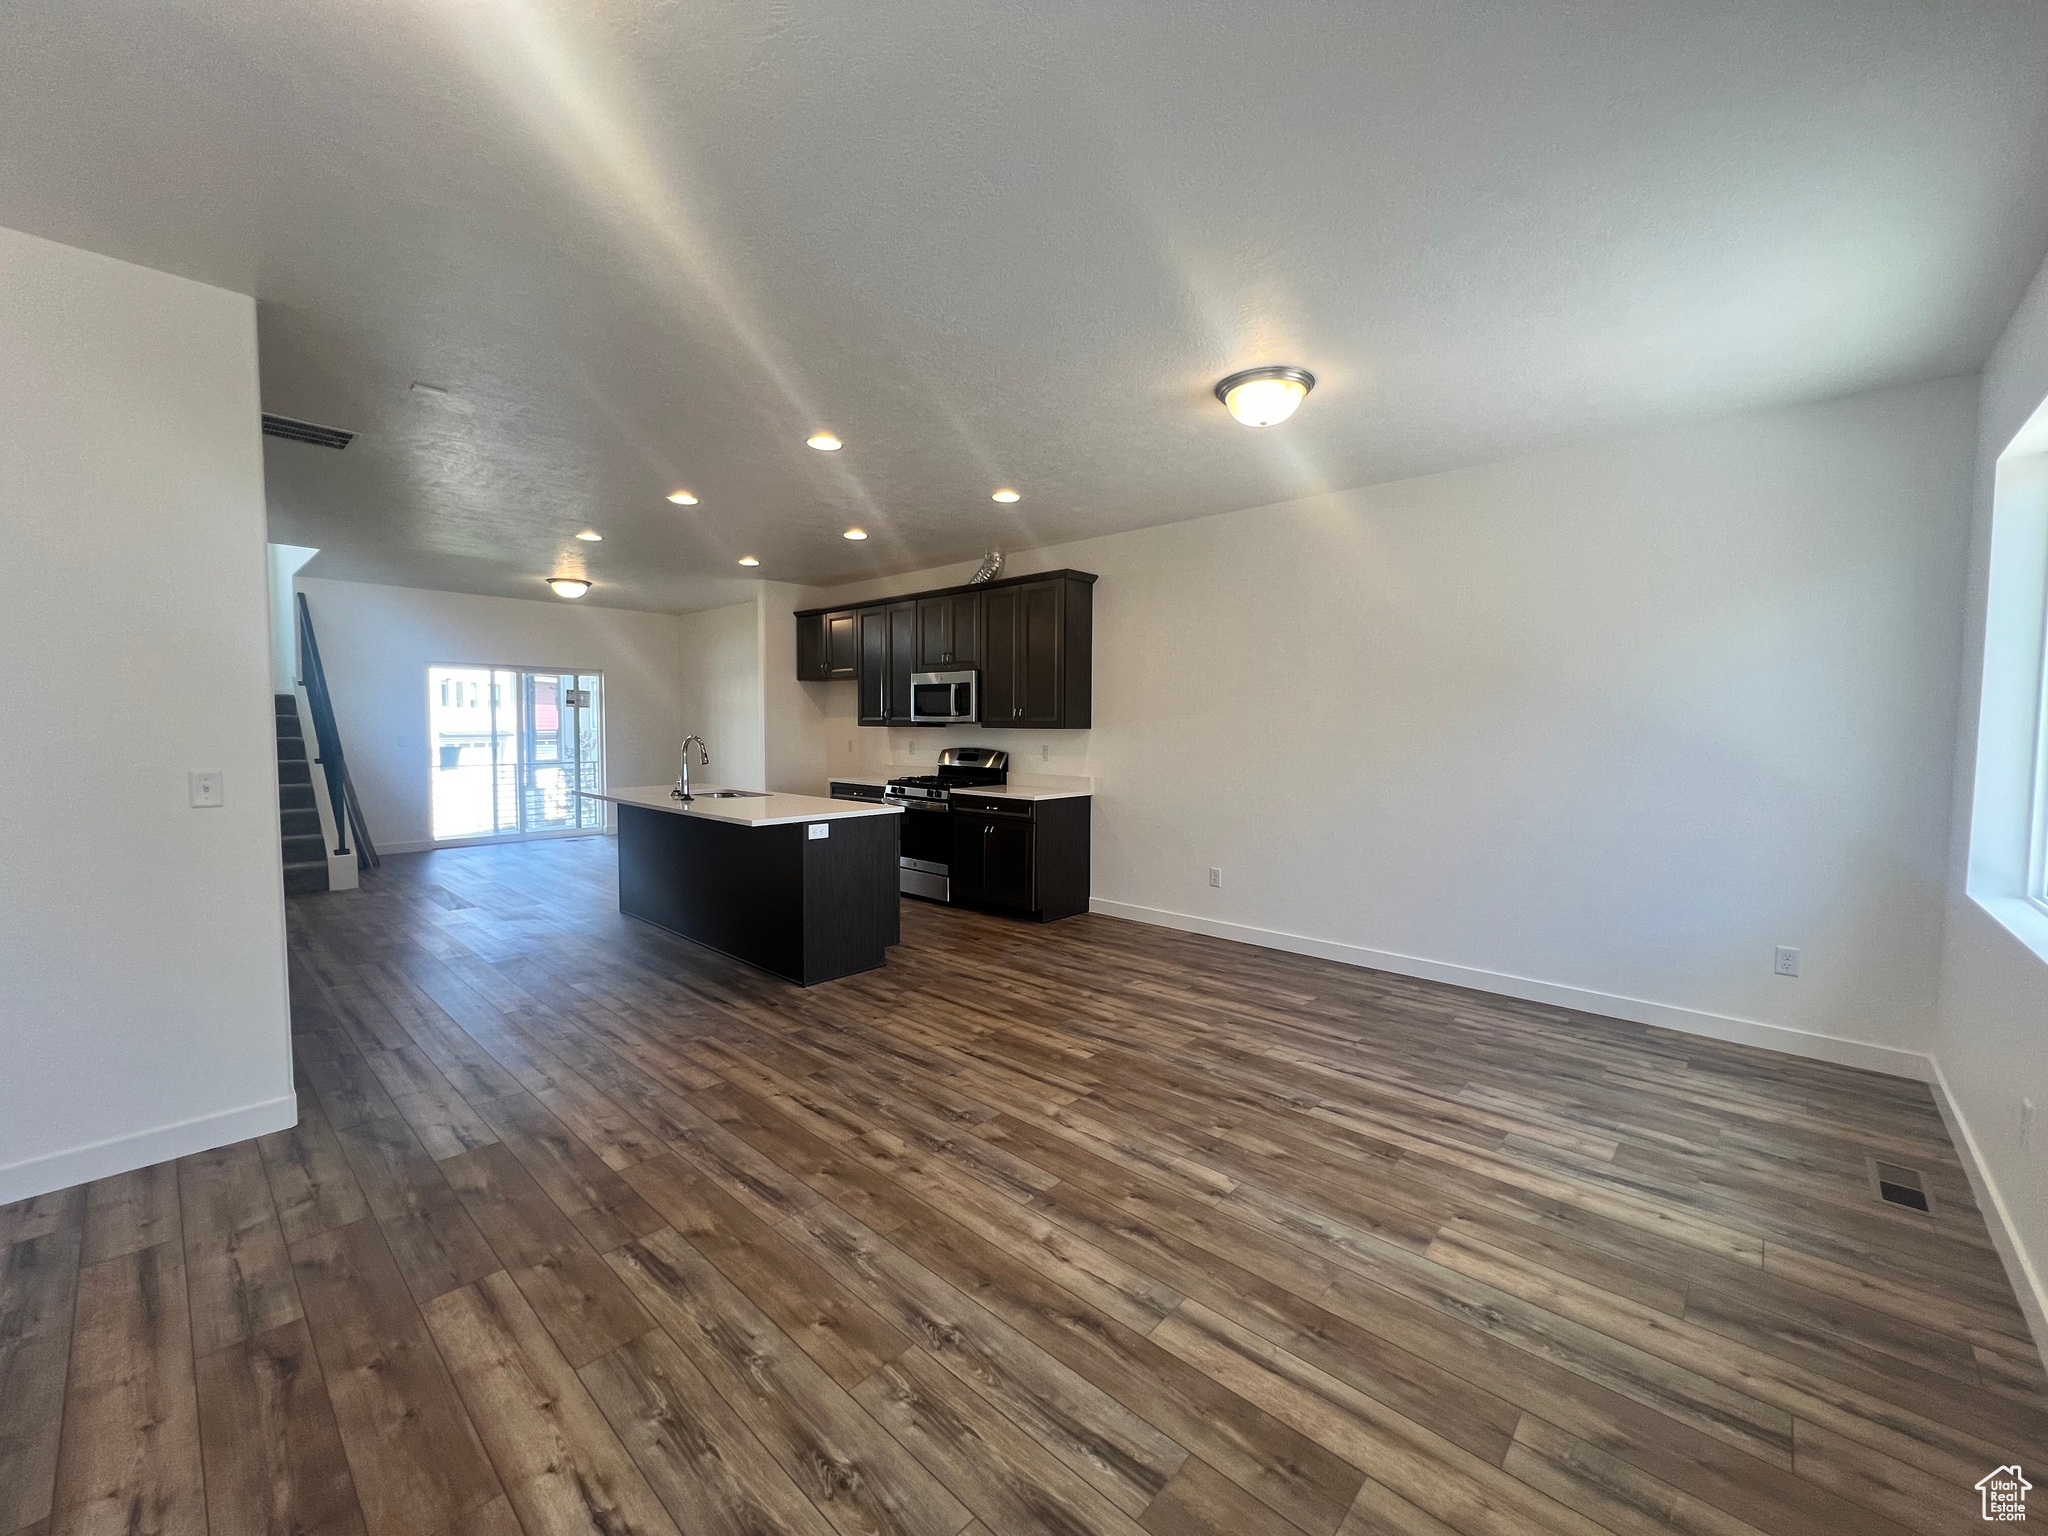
(306, 432)
(1901, 1186)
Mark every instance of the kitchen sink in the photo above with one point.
(733, 794)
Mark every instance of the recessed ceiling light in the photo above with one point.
(591, 536)
(569, 586)
(748, 560)
(824, 442)
(1265, 397)
(854, 533)
(1006, 495)
(682, 498)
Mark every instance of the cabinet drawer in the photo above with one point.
(1014, 810)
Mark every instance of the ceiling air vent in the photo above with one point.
(306, 432)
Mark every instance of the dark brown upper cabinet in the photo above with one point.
(1030, 637)
(902, 659)
(949, 632)
(888, 655)
(874, 666)
(828, 645)
(1037, 654)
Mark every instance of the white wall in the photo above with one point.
(141, 941)
(799, 717)
(284, 565)
(721, 696)
(377, 642)
(1991, 1044)
(1600, 726)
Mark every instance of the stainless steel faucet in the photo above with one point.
(682, 789)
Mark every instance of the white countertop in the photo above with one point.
(752, 811)
(1016, 789)
(1022, 789)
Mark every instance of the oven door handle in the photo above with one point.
(918, 805)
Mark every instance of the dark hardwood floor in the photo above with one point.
(1084, 1228)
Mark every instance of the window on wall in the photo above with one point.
(509, 749)
(2037, 852)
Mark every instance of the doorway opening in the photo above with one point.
(509, 748)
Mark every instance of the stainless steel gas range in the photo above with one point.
(927, 822)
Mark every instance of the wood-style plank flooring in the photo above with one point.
(1087, 1228)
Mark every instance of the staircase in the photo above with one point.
(298, 816)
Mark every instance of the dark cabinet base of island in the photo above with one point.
(806, 908)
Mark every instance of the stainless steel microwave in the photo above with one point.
(942, 698)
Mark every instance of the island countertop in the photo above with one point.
(752, 810)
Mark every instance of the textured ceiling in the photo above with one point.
(646, 245)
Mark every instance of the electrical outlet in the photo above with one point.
(208, 789)
(1785, 961)
(1044, 752)
(1216, 877)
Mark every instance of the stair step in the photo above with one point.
(291, 749)
(304, 848)
(305, 879)
(295, 771)
(287, 703)
(288, 725)
(299, 823)
(296, 797)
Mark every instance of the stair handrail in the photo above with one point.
(341, 792)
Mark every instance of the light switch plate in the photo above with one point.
(820, 829)
(208, 789)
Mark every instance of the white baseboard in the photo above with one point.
(1887, 1059)
(103, 1159)
(2012, 1252)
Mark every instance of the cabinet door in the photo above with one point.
(948, 632)
(902, 659)
(1006, 862)
(842, 644)
(811, 664)
(970, 854)
(874, 666)
(1040, 653)
(999, 702)
(934, 634)
(964, 652)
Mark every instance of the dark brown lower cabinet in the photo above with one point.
(1030, 856)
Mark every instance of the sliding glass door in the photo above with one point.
(510, 747)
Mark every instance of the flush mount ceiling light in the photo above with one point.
(748, 560)
(1265, 397)
(591, 536)
(824, 442)
(855, 534)
(568, 586)
(682, 498)
(1006, 496)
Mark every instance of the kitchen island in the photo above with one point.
(804, 888)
